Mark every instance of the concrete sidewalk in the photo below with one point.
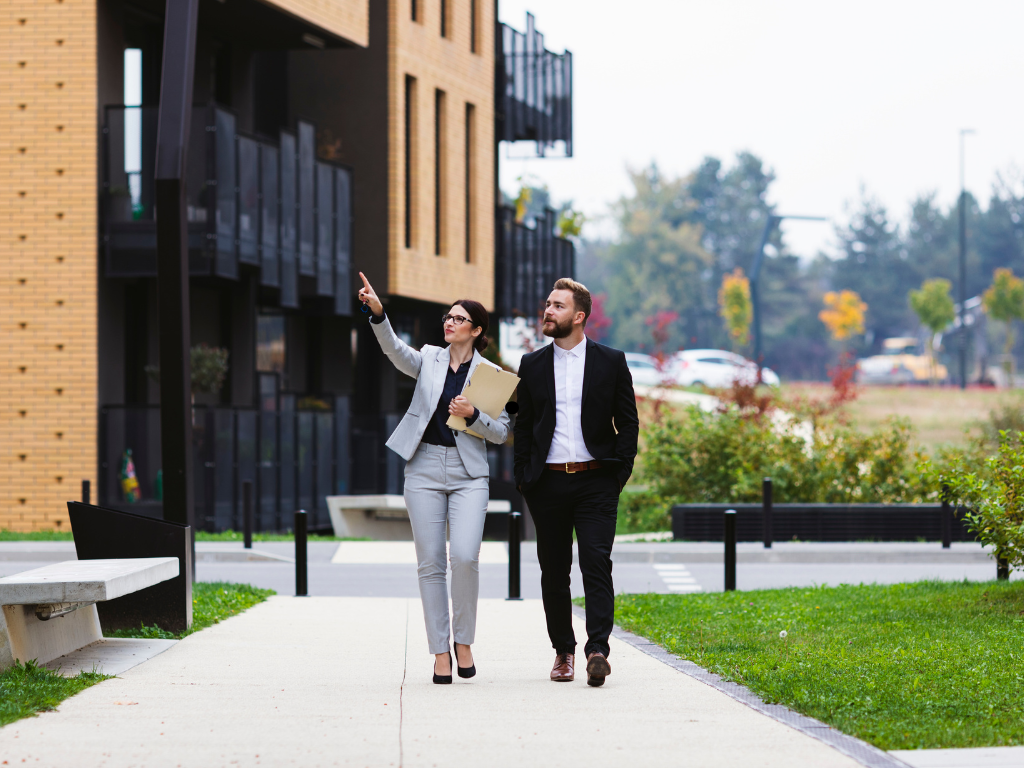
(326, 681)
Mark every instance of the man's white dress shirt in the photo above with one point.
(567, 444)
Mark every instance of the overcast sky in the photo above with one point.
(831, 95)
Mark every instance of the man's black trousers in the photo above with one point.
(586, 501)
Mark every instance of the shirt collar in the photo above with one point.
(575, 351)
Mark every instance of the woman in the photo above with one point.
(446, 477)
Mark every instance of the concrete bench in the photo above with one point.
(382, 517)
(51, 611)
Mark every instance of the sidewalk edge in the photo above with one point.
(864, 753)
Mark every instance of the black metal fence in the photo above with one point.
(273, 206)
(528, 260)
(533, 90)
(821, 522)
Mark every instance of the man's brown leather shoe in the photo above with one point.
(563, 671)
(598, 669)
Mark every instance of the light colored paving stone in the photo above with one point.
(982, 757)
(404, 553)
(347, 682)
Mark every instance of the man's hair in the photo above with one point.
(580, 295)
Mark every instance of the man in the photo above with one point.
(575, 442)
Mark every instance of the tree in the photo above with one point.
(1004, 301)
(658, 263)
(934, 308)
(871, 247)
(843, 314)
(735, 306)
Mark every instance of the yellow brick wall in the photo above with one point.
(416, 48)
(48, 159)
(349, 19)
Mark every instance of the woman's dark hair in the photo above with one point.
(479, 317)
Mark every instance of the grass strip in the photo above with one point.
(26, 689)
(229, 535)
(904, 666)
(212, 602)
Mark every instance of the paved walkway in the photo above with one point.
(345, 681)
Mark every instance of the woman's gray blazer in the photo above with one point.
(429, 366)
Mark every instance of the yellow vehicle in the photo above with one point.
(899, 363)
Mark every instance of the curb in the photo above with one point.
(864, 753)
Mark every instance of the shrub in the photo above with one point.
(643, 512)
(694, 457)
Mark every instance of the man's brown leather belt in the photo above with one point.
(581, 466)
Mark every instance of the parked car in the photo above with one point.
(716, 368)
(644, 370)
(901, 362)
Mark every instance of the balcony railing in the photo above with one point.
(533, 90)
(294, 458)
(272, 206)
(528, 260)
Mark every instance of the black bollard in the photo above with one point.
(946, 523)
(247, 513)
(730, 550)
(301, 588)
(514, 554)
(766, 511)
(86, 487)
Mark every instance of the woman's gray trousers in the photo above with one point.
(440, 494)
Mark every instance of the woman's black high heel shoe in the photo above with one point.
(445, 679)
(465, 672)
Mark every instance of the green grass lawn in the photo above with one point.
(28, 689)
(212, 602)
(904, 666)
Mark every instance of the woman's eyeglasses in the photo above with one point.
(457, 319)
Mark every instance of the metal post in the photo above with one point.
(766, 511)
(946, 523)
(173, 122)
(247, 513)
(514, 536)
(730, 550)
(1002, 569)
(301, 582)
(85, 492)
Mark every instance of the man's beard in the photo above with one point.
(559, 331)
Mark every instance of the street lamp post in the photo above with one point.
(755, 277)
(963, 264)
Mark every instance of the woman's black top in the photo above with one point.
(438, 432)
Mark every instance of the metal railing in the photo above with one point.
(251, 201)
(533, 90)
(527, 261)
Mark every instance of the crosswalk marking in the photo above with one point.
(676, 577)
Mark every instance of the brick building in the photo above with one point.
(328, 137)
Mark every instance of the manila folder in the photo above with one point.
(489, 390)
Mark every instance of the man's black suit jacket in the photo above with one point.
(608, 416)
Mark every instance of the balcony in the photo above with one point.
(527, 262)
(271, 206)
(533, 91)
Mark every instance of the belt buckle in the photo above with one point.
(569, 471)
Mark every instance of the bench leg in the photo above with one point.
(43, 641)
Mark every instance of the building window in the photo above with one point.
(444, 18)
(133, 127)
(410, 149)
(472, 25)
(270, 343)
(439, 171)
(414, 5)
(470, 177)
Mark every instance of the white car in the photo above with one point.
(717, 369)
(644, 370)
